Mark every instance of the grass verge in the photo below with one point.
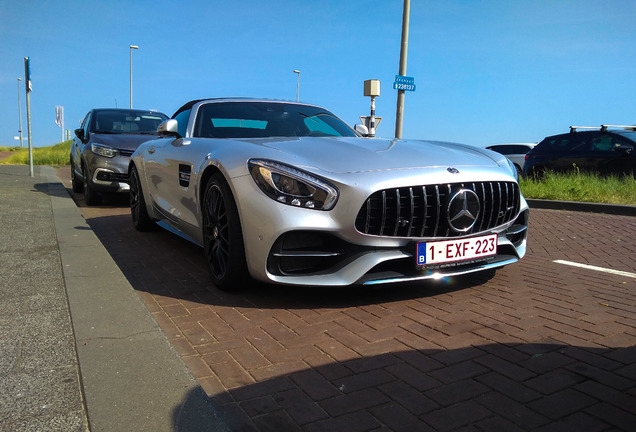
(57, 154)
(582, 188)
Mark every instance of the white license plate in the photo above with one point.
(448, 251)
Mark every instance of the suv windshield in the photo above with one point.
(127, 122)
(267, 119)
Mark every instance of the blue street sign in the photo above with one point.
(404, 83)
(404, 79)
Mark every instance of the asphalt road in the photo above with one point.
(547, 344)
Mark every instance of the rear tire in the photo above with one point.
(141, 219)
(222, 237)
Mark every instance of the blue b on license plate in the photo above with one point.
(449, 251)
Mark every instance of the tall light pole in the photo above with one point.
(132, 47)
(20, 111)
(399, 112)
(296, 71)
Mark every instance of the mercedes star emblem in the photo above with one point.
(463, 210)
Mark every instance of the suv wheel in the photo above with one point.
(76, 184)
(90, 195)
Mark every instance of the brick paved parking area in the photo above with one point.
(539, 345)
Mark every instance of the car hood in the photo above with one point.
(348, 155)
(121, 141)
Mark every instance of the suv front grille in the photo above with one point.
(422, 211)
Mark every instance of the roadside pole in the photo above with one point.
(27, 78)
(399, 113)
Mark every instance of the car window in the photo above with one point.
(266, 119)
(86, 123)
(603, 143)
(581, 142)
(556, 144)
(182, 121)
(122, 122)
(618, 140)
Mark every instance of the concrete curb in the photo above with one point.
(614, 209)
(131, 375)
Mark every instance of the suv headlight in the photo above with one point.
(291, 186)
(103, 150)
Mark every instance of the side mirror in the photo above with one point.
(79, 133)
(169, 128)
(625, 149)
(361, 129)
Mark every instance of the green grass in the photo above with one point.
(57, 154)
(582, 188)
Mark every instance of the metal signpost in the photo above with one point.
(372, 89)
(20, 112)
(399, 113)
(27, 84)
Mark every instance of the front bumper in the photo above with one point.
(109, 174)
(295, 246)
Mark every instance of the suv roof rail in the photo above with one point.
(602, 128)
(629, 127)
(574, 128)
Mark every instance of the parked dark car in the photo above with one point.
(605, 150)
(516, 152)
(102, 147)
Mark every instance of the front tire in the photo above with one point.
(76, 185)
(141, 219)
(90, 195)
(222, 236)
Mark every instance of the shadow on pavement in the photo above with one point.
(488, 387)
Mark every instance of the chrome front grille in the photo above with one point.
(422, 211)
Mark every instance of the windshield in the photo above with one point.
(267, 119)
(127, 122)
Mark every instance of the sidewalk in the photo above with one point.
(78, 349)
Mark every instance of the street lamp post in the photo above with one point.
(399, 112)
(132, 47)
(296, 71)
(20, 111)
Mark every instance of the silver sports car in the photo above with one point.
(287, 193)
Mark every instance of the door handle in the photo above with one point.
(151, 149)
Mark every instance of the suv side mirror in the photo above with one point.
(623, 148)
(79, 133)
(361, 129)
(169, 128)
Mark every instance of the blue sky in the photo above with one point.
(487, 71)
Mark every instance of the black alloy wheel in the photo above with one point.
(141, 219)
(222, 236)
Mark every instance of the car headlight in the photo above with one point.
(103, 150)
(291, 186)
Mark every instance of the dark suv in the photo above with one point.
(102, 148)
(588, 149)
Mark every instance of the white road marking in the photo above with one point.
(600, 269)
